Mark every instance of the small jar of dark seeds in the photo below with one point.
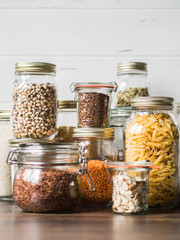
(132, 82)
(47, 179)
(94, 102)
(34, 103)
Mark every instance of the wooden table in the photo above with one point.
(91, 224)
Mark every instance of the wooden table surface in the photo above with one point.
(91, 224)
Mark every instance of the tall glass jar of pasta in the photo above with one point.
(151, 133)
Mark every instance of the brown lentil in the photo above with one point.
(103, 188)
(46, 190)
(93, 109)
(34, 110)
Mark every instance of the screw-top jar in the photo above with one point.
(151, 134)
(178, 111)
(34, 107)
(97, 147)
(94, 101)
(118, 119)
(47, 179)
(132, 82)
(5, 170)
(67, 121)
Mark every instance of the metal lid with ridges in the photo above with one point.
(67, 104)
(38, 67)
(154, 102)
(5, 114)
(93, 132)
(126, 66)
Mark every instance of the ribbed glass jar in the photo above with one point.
(151, 133)
(34, 103)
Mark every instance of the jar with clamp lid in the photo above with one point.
(94, 103)
(97, 147)
(133, 82)
(151, 133)
(34, 103)
(47, 179)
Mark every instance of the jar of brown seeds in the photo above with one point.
(47, 179)
(34, 103)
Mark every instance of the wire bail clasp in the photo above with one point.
(83, 169)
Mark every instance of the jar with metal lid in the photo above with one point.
(151, 133)
(178, 111)
(93, 102)
(5, 170)
(34, 104)
(97, 147)
(47, 179)
(132, 82)
(118, 118)
(67, 121)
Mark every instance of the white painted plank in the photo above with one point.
(90, 4)
(90, 33)
(163, 73)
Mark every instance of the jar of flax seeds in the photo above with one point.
(93, 103)
(34, 103)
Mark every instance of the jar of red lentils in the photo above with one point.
(97, 147)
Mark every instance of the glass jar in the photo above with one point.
(118, 119)
(67, 121)
(34, 108)
(178, 111)
(47, 179)
(97, 147)
(94, 102)
(130, 187)
(5, 170)
(151, 134)
(132, 82)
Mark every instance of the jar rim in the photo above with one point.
(110, 85)
(93, 132)
(153, 102)
(132, 166)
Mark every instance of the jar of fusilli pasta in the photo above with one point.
(151, 133)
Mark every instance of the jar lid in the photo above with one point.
(39, 67)
(126, 66)
(121, 112)
(93, 132)
(178, 106)
(67, 104)
(152, 103)
(132, 166)
(110, 85)
(16, 141)
(46, 154)
(4, 114)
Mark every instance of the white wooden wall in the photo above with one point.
(87, 38)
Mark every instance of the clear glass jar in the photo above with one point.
(97, 147)
(5, 170)
(34, 104)
(94, 102)
(130, 187)
(67, 121)
(151, 134)
(132, 82)
(118, 119)
(47, 179)
(178, 111)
